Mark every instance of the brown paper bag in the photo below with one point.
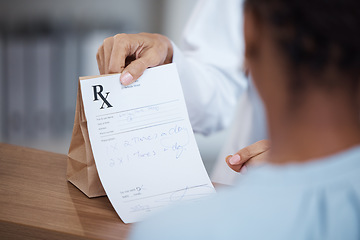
(81, 169)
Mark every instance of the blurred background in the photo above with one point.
(45, 45)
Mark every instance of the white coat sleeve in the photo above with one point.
(210, 63)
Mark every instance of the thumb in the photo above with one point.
(132, 72)
(237, 166)
(136, 68)
(253, 150)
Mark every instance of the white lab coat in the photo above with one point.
(210, 65)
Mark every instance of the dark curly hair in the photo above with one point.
(323, 33)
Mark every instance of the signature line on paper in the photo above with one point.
(202, 185)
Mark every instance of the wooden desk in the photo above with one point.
(37, 202)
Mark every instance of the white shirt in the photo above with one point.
(210, 65)
(314, 200)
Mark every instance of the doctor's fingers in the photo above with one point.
(99, 59)
(129, 47)
(137, 67)
(131, 54)
(112, 54)
(125, 47)
(103, 55)
(153, 50)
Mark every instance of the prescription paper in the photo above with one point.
(143, 144)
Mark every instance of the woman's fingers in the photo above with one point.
(258, 159)
(254, 149)
(254, 154)
(235, 167)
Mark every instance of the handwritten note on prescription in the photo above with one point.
(143, 144)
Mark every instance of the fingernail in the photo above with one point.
(228, 158)
(126, 78)
(243, 170)
(235, 159)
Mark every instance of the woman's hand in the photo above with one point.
(131, 54)
(254, 154)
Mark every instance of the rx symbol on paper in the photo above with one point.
(98, 92)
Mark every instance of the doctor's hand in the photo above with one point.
(132, 54)
(254, 154)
